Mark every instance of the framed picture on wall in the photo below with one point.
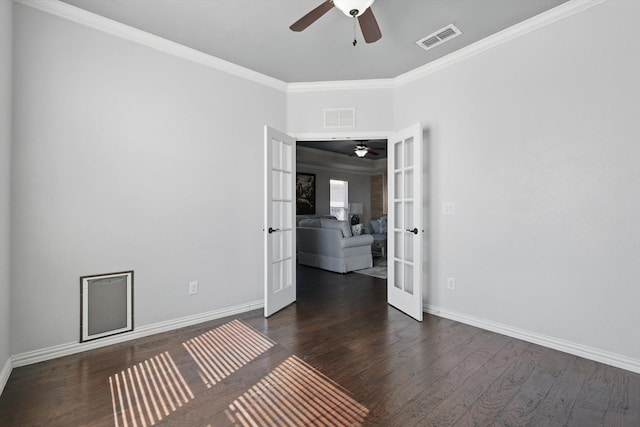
(305, 194)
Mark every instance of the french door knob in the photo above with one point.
(414, 231)
(273, 230)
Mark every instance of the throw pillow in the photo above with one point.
(356, 230)
(346, 228)
(375, 226)
(383, 224)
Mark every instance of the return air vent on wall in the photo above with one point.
(339, 117)
(439, 37)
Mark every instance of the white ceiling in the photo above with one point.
(255, 33)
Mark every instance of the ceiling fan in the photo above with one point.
(360, 9)
(362, 150)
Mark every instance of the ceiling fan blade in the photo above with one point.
(312, 16)
(372, 151)
(369, 26)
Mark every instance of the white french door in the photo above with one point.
(279, 222)
(404, 227)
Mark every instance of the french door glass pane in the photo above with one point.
(408, 150)
(398, 237)
(408, 247)
(287, 216)
(408, 215)
(276, 247)
(397, 177)
(397, 152)
(408, 183)
(276, 214)
(397, 273)
(276, 180)
(287, 158)
(408, 278)
(397, 220)
(276, 154)
(276, 275)
(287, 183)
(287, 279)
(286, 244)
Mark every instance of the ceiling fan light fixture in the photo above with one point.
(348, 6)
(361, 152)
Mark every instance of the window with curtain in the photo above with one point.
(339, 199)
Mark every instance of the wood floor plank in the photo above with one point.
(402, 372)
(500, 392)
(524, 403)
(624, 404)
(556, 407)
(593, 399)
(454, 406)
(437, 382)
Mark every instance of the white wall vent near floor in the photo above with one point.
(106, 305)
(439, 37)
(339, 117)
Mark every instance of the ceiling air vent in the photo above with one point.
(439, 37)
(339, 117)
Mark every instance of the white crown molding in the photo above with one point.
(4, 374)
(109, 26)
(548, 17)
(570, 347)
(340, 85)
(340, 134)
(49, 353)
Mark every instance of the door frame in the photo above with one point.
(346, 135)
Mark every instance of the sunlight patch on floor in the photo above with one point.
(225, 349)
(296, 394)
(148, 392)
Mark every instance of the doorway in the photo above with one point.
(350, 188)
(405, 172)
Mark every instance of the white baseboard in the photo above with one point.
(49, 353)
(4, 374)
(576, 349)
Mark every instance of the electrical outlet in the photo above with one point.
(451, 283)
(193, 287)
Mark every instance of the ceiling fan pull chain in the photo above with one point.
(355, 31)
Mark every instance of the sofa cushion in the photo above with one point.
(337, 225)
(310, 222)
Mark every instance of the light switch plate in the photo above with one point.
(193, 287)
(448, 208)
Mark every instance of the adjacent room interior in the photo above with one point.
(347, 182)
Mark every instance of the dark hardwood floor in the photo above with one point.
(339, 356)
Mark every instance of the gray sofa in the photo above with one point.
(328, 244)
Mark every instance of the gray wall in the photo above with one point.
(126, 157)
(374, 110)
(536, 143)
(130, 158)
(5, 179)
